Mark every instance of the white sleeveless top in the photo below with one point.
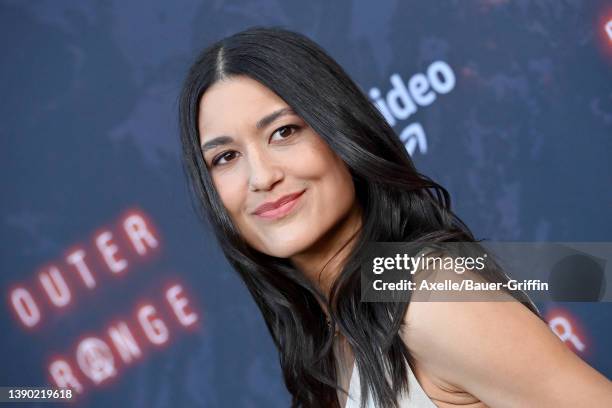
(417, 397)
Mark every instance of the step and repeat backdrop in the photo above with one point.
(112, 286)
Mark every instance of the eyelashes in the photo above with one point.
(216, 160)
(228, 154)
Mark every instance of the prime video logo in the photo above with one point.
(403, 99)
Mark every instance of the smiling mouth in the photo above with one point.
(281, 211)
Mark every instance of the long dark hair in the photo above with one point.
(399, 205)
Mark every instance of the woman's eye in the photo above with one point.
(285, 131)
(223, 156)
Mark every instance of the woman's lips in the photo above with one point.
(282, 210)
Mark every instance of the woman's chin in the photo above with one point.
(286, 248)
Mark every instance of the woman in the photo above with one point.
(297, 171)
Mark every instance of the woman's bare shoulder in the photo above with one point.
(499, 352)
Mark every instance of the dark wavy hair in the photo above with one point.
(399, 205)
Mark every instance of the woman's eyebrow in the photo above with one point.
(266, 120)
(261, 123)
(217, 141)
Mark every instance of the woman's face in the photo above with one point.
(258, 151)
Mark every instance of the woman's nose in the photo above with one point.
(264, 171)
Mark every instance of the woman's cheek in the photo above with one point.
(310, 161)
(231, 195)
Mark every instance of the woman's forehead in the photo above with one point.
(235, 103)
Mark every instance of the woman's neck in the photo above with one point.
(322, 262)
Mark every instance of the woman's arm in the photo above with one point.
(501, 353)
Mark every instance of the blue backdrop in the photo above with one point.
(110, 282)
